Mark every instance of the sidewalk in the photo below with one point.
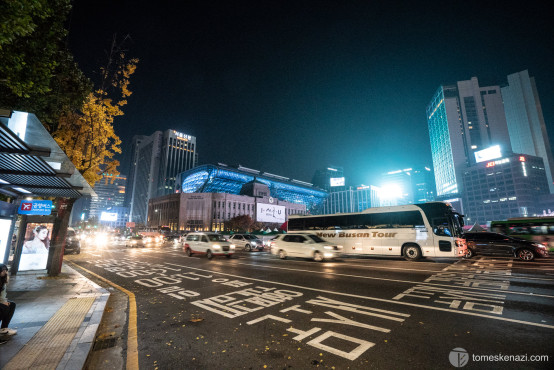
(56, 320)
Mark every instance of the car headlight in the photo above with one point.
(328, 247)
(217, 246)
(134, 242)
(539, 246)
(232, 246)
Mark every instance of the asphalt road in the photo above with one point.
(257, 311)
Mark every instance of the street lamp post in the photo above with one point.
(159, 217)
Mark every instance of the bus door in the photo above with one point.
(444, 245)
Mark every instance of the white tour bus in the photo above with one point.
(413, 231)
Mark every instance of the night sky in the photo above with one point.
(291, 86)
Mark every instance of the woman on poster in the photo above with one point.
(40, 242)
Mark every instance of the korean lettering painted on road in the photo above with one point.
(346, 351)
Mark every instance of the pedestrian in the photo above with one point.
(7, 308)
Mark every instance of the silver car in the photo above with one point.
(304, 245)
(210, 244)
(247, 242)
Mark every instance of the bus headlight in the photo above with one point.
(232, 246)
(328, 247)
(217, 246)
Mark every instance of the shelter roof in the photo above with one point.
(32, 163)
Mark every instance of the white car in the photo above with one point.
(247, 242)
(210, 244)
(304, 245)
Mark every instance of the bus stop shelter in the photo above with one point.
(33, 166)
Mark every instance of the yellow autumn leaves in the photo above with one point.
(88, 137)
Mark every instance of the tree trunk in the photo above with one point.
(59, 233)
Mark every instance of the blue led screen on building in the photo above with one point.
(219, 179)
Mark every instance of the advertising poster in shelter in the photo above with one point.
(5, 225)
(34, 253)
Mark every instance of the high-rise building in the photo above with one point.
(110, 191)
(463, 119)
(423, 185)
(406, 186)
(131, 180)
(510, 186)
(157, 159)
(330, 179)
(525, 121)
(351, 200)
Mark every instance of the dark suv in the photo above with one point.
(494, 244)
(72, 243)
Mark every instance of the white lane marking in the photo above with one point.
(375, 267)
(363, 345)
(397, 280)
(375, 299)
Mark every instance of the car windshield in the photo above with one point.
(216, 238)
(137, 237)
(316, 239)
(251, 237)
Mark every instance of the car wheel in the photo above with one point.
(525, 254)
(318, 256)
(248, 248)
(469, 253)
(188, 253)
(412, 252)
(209, 254)
(282, 254)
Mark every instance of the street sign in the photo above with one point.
(35, 207)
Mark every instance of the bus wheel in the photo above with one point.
(188, 252)
(412, 252)
(469, 253)
(318, 256)
(282, 254)
(209, 254)
(525, 254)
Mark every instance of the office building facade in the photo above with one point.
(525, 121)
(157, 160)
(330, 179)
(507, 187)
(463, 119)
(352, 200)
(211, 211)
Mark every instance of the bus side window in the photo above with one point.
(409, 219)
(382, 220)
(354, 222)
(313, 223)
(335, 222)
(297, 224)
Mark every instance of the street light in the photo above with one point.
(159, 217)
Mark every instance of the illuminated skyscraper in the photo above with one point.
(329, 178)
(525, 121)
(462, 119)
(157, 159)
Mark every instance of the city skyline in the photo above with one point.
(288, 88)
